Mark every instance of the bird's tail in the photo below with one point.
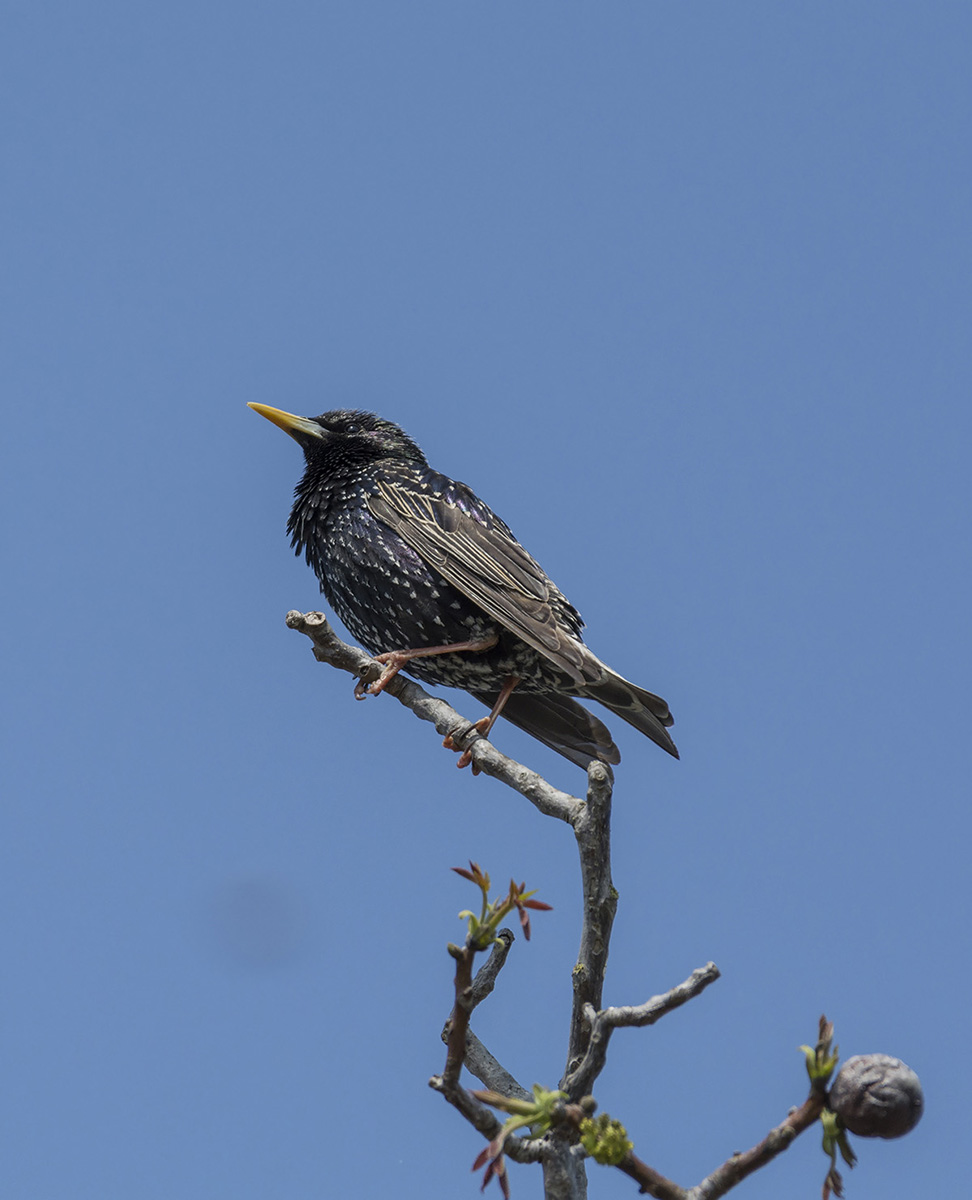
(644, 710)
(560, 723)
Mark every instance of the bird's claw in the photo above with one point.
(375, 688)
(465, 758)
(392, 663)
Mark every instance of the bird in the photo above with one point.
(429, 579)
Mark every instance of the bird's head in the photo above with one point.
(343, 438)
(339, 447)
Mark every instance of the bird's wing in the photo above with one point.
(485, 562)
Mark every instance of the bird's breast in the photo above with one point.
(386, 595)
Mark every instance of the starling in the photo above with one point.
(428, 578)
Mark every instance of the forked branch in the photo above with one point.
(591, 1025)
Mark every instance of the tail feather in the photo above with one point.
(644, 710)
(560, 723)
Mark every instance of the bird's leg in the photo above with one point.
(485, 724)
(394, 660)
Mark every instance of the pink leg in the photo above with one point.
(485, 724)
(394, 660)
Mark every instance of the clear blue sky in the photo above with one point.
(683, 290)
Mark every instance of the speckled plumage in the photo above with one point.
(409, 558)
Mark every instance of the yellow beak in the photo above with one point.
(288, 422)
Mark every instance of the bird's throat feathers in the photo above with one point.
(352, 447)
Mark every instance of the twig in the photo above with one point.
(602, 1024)
(459, 1021)
(485, 1121)
(776, 1141)
(734, 1169)
(457, 1034)
(490, 1072)
(652, 1183)
(476, 1058)
(485, 979)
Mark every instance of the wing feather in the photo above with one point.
(485, 562)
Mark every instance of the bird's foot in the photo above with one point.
(392, 662)
(484, 724)
(481, 726)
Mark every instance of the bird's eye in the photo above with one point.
(352, 427)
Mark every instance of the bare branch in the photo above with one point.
(477, 1059)
(485, 1121)
(734, 1169)
(591, 1027)
(652, 1183)
(776, 1141)
(592, 829)
(459, 1020)
(602, 1025)
(457, 1035)
(457, 1046)
(485, 979)
(490, 1072)
(657, 1007)
(329, 648)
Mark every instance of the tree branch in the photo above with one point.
(602, 1024)
(592, 830)
(485, 979)
(734, 1169)
(590, 1027)
(459, 1020)
(329, 648)
(485, 1121)
(490, 1072)
(457, 1033)
(476, 1058)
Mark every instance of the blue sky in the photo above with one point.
(683, 292)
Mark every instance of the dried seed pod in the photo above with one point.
(876, 1095)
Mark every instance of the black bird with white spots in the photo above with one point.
(428, 578)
